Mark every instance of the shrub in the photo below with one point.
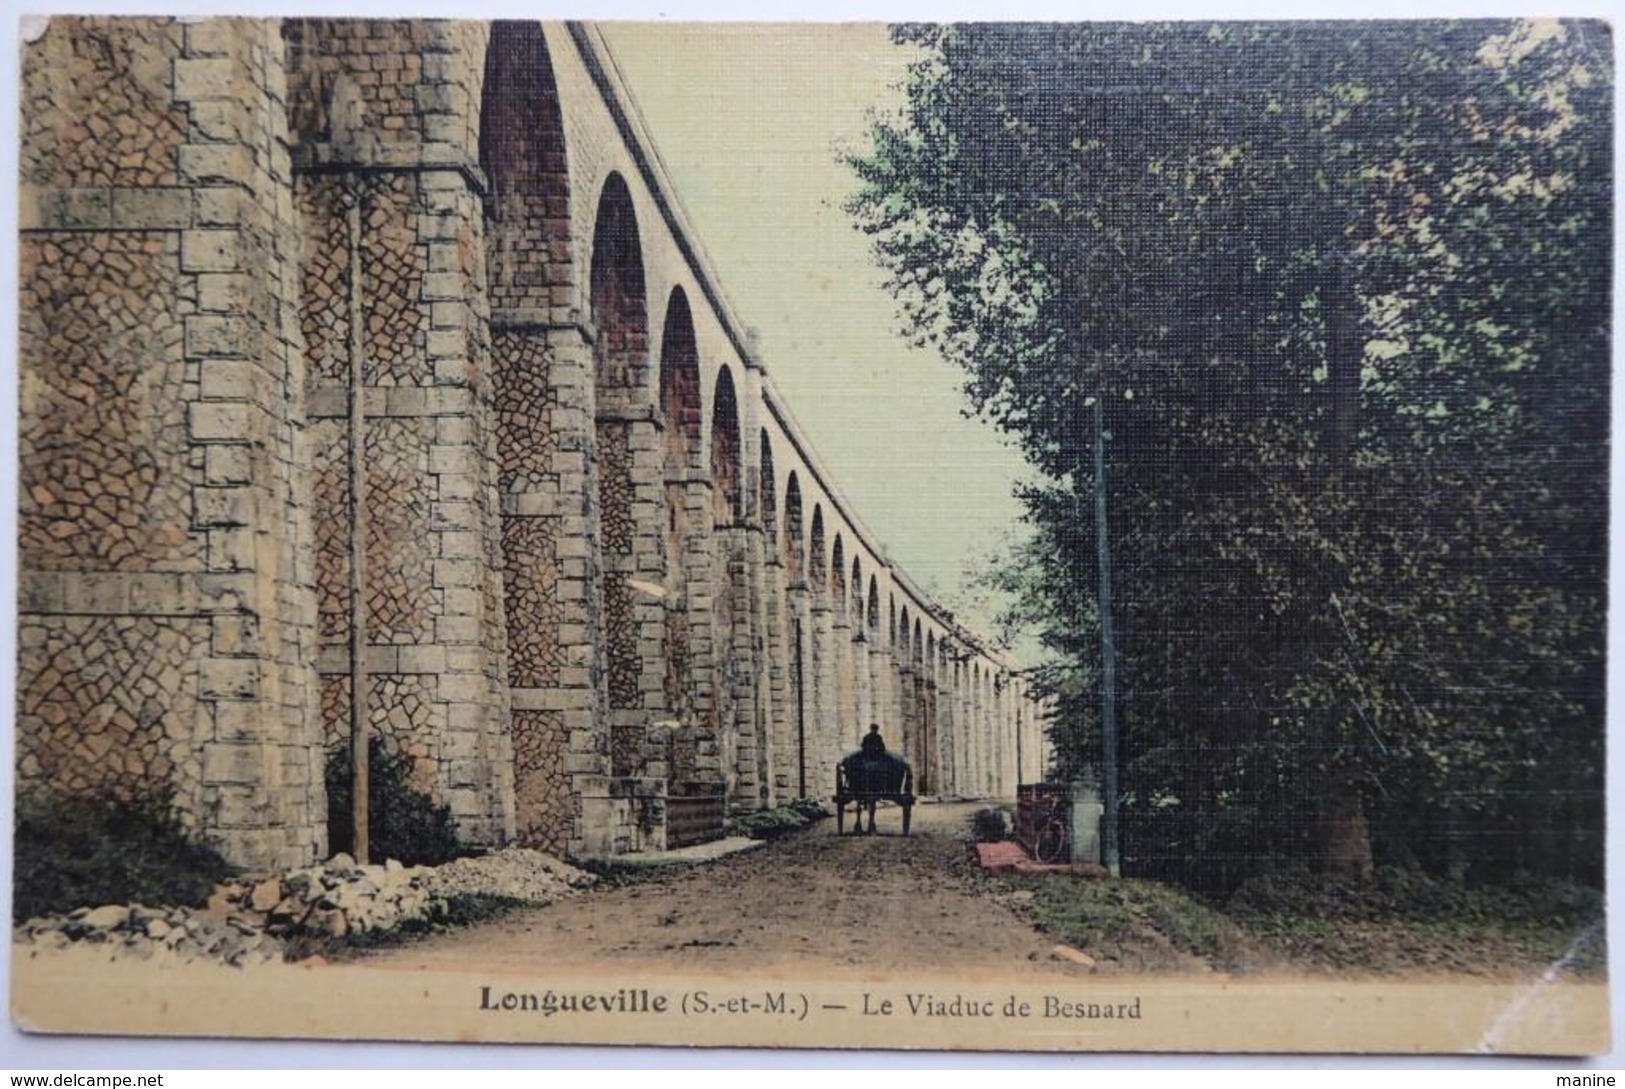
(771, 823)
(403, 823)
(810, 808)
(988, 826)
(84, 852)
(768, 824)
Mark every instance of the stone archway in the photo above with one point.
(731, 607)
(861, 687)
(632, 618)
(537, 370)
(793, 548)
(683, 416)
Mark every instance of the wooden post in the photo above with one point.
(358, 541)
(801, 717)
(1108, 648)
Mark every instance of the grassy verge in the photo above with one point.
(1392, 927)
(1133, 925)
(1405, 920)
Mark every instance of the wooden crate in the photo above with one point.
(694, 816)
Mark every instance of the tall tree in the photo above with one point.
(1340, 293)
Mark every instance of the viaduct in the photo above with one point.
(374, 362)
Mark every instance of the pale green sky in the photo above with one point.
(750, 120)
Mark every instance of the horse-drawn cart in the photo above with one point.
(865, 779)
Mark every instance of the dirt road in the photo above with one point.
(813, 903)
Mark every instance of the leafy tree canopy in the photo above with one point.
(1342, 292)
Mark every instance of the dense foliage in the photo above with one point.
(1342, 291)
(403, 823)
(87, 852)
(781, 820)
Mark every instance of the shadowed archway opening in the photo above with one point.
(620, 310)
(680, 386)
(732, 604)
(522, 151)
(529, 268)
(726, 470)
(816, 565)
(794, 550)
(683, 415)
(929, 748)
(794, 557)
(620, 373)
(859, 618)
(837, 577)
(768, 496)
(908, 706)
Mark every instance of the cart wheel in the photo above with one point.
(1051, 844)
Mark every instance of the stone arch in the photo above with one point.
(680, 400)
(683, 414)
(978, 728)
(727, 495)
(930, 733)
(767, 491)
(859, 617)
(908, 708)
(874, 605)
(916, 647)
(731, 637)
(794, 553)
(529, 261)
(837, 575)
(523, 153)
(620, 366)
(620, 311)
(815, 552)
(768, 499)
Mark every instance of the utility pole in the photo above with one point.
(801, 718)
(1108, 650)
(358, 541)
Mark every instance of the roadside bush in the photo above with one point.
(811, 808)
(989, 826)
(771, 823)
(403, 823)
(83, 852)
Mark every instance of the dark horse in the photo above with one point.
(867, 777)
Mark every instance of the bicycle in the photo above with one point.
(1053, 843)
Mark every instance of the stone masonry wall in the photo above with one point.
(391, 200)
(220, 219)
(167, 620)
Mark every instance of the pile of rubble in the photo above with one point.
(256, 921)
(142, 933)
(337, 898)
(518, 873)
